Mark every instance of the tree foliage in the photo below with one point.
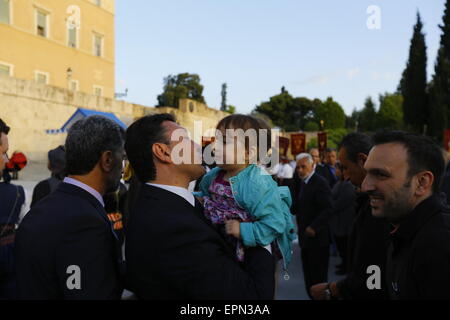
(439, 88)
(390, 114)
(413, 84)
(181, 86)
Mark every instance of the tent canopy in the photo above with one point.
(82, 113)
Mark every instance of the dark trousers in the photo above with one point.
(341, 243)
(315, 265)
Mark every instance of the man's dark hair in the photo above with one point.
(3, 128)
(355, 143)
(86, 141)
(328, 150)
(423, 153)
(140, 137)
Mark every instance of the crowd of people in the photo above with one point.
(118, 212)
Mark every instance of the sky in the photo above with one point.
(315, 49)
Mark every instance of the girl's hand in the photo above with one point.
(201, 200)
(232, 228)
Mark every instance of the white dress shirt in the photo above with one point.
(182, 192)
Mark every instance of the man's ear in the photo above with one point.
(162, 152)
(361, 159)
(424, 183)
(107, 161)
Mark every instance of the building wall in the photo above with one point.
(28, 52)
(30, 109)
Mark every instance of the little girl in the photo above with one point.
(246, 203)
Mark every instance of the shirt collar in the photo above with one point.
(182, 192)
(86, 188)
(308, 177)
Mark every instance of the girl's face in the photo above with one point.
(229, 150)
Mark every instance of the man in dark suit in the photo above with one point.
(65, 246)
(328, 168)
(312, 207)
(172, 251)
(369, 236)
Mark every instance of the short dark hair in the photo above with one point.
(87, 139)
(423, 153)
(355, 143)
(140, 137)
(3, 128)
(245, 122)
(328, 150)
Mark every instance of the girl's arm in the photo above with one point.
(268, 210)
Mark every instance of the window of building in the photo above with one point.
(5, 11)
(72, 37)
(5, 70)
(98, 3)
(98, 91)
(98, 45)
(73, 85)
(42, 24)
(42, 77)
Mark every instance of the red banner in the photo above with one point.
(322, 141)
(298, 143)
(284, 145)
(447, 140)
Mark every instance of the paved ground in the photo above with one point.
(292, 289)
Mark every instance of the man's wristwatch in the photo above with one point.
(327, 292)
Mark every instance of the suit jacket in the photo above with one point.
(325, 171)
(67, 228)
(173, 252)
(313, 206)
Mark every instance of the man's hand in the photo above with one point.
(232, 228)
(310, 232)
(318, 291)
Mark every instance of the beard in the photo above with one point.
(398, 205)
(113, 181)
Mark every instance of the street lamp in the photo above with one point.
(121, 95)
(69, 73)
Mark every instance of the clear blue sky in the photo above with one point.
(314, 48)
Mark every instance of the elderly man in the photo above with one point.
(404, 172)
(66, 247)
(172, 250)
(312, 207)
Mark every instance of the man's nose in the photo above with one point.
(367, 184)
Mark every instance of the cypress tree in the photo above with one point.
(439, 89)
(414, 82)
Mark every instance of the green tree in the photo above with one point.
(262, 117)
(367, 117)
(390, 114)
(181, 86)
(223, 105)
(230, 109)
(414, 82)
(439, 88)
(331, 113)
(334, 137)
(287, 112)
(277, 109)
(311, 126)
